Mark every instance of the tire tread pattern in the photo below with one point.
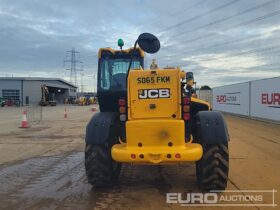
(212, 169)
(100, 169)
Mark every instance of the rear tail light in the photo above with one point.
(122, 109)
(123, 117)
(121, 102)
(186, 108)
(186, 116)
(133, 156)
(186, 100)
(177, 156)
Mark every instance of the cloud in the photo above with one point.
(226, 62)
(34, 36)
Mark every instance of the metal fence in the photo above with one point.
(34, 113)
(255, 99)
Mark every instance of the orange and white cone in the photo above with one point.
(65, 114)
(24, 123)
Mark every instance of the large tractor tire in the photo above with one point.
(212, 169)
(101, 169)
(102, 133)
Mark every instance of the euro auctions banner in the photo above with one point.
(232, 98)
(265, 98)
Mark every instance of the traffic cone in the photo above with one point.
(65, 114)
(24, 123)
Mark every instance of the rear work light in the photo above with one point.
(122, 117)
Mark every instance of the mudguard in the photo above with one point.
(100, 127)
(209, 127)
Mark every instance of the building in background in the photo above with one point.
(205, 93)
(27, 90)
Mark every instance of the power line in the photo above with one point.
(235, 26)
(249, 39)
(199, 16)
(213, 46)
(229, 28)
(269, 49)
(245, 53)
(180, 11)
(257, 68)
(227, 18)
(269, 65)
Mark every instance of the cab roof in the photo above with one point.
(127, 51)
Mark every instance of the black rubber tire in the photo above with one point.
(101, 169)
(212, 169)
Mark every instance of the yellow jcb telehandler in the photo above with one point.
(150, 117)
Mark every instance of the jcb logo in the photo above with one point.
(154, 93)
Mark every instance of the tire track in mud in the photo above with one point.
(161, 182)
(133, 180)
(239, 189)
(40, 179)
(59, 182)
(146, 185)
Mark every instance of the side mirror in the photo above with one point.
(148, 42)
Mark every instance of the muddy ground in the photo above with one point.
(42, 167)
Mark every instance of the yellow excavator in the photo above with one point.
(47, 99)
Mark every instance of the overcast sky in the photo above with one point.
(221, 41)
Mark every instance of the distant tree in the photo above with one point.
(205, 87)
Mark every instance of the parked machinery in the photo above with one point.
(47, 99)
(150, 117)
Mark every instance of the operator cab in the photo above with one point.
(112, 75)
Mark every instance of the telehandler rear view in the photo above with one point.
(150, 117)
